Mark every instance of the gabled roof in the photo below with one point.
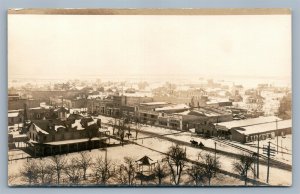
(43, 125)
(38, 129)
(145, 160)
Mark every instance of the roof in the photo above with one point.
(145, 160)
(260, 128)
(43, 125)
(13, 114)
(101, 96)
(246, 122)
(36, 108)
(38, 129)
(61, 109)
(138, 94)
(154, 103)
(173, 107)
(59, 126)
(77, 124)
(184, 112)
(72, 141)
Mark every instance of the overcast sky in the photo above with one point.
(80, 45)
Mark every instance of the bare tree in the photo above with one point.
(160, 171)
(121, 175)
(103, 170)
(84, 161)
(29, 172)
(73, 171)
(211, 166)
(58, 163)
(243, 165)
(197, 173)
(126, 172)
(45, 172)
(176, 160)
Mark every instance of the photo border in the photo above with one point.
(294, 5)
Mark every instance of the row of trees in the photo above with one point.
(84, 169)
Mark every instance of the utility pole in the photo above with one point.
(268, 171)
(269, 152)
(215, 153)
(276, 133)
(257, 171)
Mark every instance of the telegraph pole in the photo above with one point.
(215, 151)
(269, 152)
(276, 133)
(257, 171)
(268, 171)
(215, 154)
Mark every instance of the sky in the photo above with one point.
(84, 45)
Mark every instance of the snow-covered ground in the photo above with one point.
(283, 156)
(277, 176)
(155, 146)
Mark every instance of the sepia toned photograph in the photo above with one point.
(149, 97)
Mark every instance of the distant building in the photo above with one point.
(15, 117)
(115, 106)
(16, 104)
(40, 113)
(13, 97)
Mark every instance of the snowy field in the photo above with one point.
(155, 146)
(277, 176)
(284, 152)
(116, 155)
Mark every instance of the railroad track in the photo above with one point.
(273, 162)
(263, 159)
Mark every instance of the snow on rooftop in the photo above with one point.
(184, 112)
(101, 96)
(13, 114)
(58, 126)
(154, 103)
(138, 94)
(77, 124)
(91, 123)
(267, 127)
(173, 107)
(253, 121)
(36, 108)
(38, 129)
(72, 141)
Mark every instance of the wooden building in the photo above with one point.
(48, 137)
